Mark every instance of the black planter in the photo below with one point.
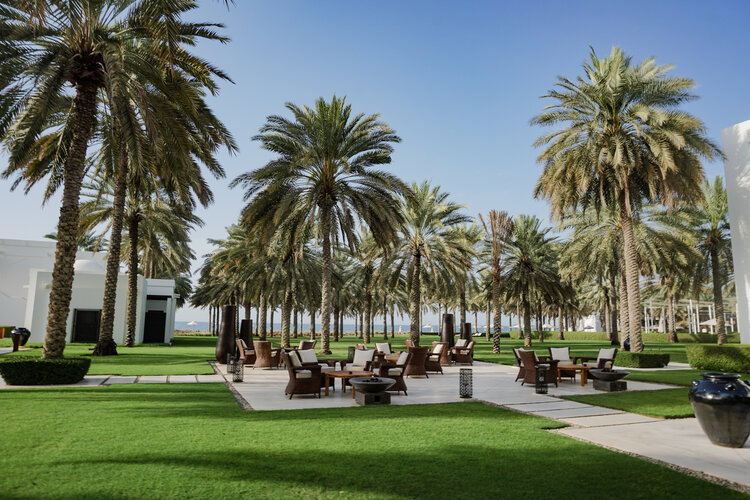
(25, 334)
(721, 402)
(608, 375)
(371, 385)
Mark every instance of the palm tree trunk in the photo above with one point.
(670, 317)
(361, 324)
(526, 319)
(393, 320)
(624, 318)
(368, 304)
(263, 312)
(633, 277)
(296, 326)
(721, 332)
(415, 295)
(325, 308)
(560, 334)
(487, 323)
(273, 309)
(286, 316)
(105, 345)
(132, 280)
(312, 324)
(341, 324)
(385, 318)
(84, 111)
(613, 305)
(462, 306)
(335, 323)
(540, 322)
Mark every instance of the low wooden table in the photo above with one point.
(344, 375)
(582, 368)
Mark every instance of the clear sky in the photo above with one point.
(458, 81)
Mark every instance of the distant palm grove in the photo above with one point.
(104, 101)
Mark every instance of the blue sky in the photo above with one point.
(458, 81)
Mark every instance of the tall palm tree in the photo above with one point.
(529, 266)
(324, 175)
(91, 45)
(623, 141)
(498, 226)
(429, 217)
(710, 218)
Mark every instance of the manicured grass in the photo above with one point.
(192, 441)
(675, 377)
(189, 356)
(665, 403)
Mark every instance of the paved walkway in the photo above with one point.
(8, 350)
(97, 380)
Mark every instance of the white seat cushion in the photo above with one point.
(362, 357)
(561, 354)
(461, 343)
(294, 359)
(437, 349)
(307, 355)
(355, 368)
(304, 374)
(325, 368)
(606, 353)
(383, 347)
(395, 371)
(402, 358)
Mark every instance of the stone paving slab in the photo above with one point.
(116, 379)
(575, 412)
(210, 378)
(182, 379)
(554, 405)
(152, 379)
(679, 442)
(8, 350)
(614, 419)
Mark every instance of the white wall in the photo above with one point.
(736, 143)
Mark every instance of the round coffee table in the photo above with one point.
(344, 375)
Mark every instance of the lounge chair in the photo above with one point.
(432, 362)
(530, 362)
(265, 357)
(604, 361)
(416, 367)
(308, 358)
(396, 372)
(464, 355)
(247, 355)
(302, 379)
(562, 356)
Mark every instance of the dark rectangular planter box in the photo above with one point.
(617, 385)
(376, 398)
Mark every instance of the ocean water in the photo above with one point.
(202, 326)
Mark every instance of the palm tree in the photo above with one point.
(93, 46)
(529, 266)
(710, 220)
(427, 235)
(498, 226)
(324, 176)
(624, 141)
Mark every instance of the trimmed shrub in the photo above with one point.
(641, 359)
(722, 358)
(25, 370)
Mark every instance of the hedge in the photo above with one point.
(722, 358)
(25, 370)
(685, 338)
(641, 359)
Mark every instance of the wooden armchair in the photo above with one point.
(604, 361)
(396, 372)
(265, 357)
(445, 354)
(464, 355)
(432, 362)
(530, 362)
(415, 366)
(521, 370)
(362, 361)
(246, 354)
(383, 348)
(307, 344)
(302, 379)
(562, 356)
(308, 358)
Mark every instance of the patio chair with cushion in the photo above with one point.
(409, 343)
(247, 355)
(302, 379)
(519, 363)
(383, 347)
(445, 354)
(604, 361)
(415, 366)
(362, 361)
(562, 356)
(265, 357)
(308, 358)
(307, 344)
(432, 363)
(396, 372)
(361, 347)
(464, 355)
(530, 362)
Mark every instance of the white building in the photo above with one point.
(736, 144)
(25, 279)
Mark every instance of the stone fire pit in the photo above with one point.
(371, 390)
(609, 380)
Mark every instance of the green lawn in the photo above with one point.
(664, 403)
(193, 441)
(674, 377)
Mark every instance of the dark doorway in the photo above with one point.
(86, 325)
(153, 330)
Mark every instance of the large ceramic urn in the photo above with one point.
(721, 402)
(225, 341)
